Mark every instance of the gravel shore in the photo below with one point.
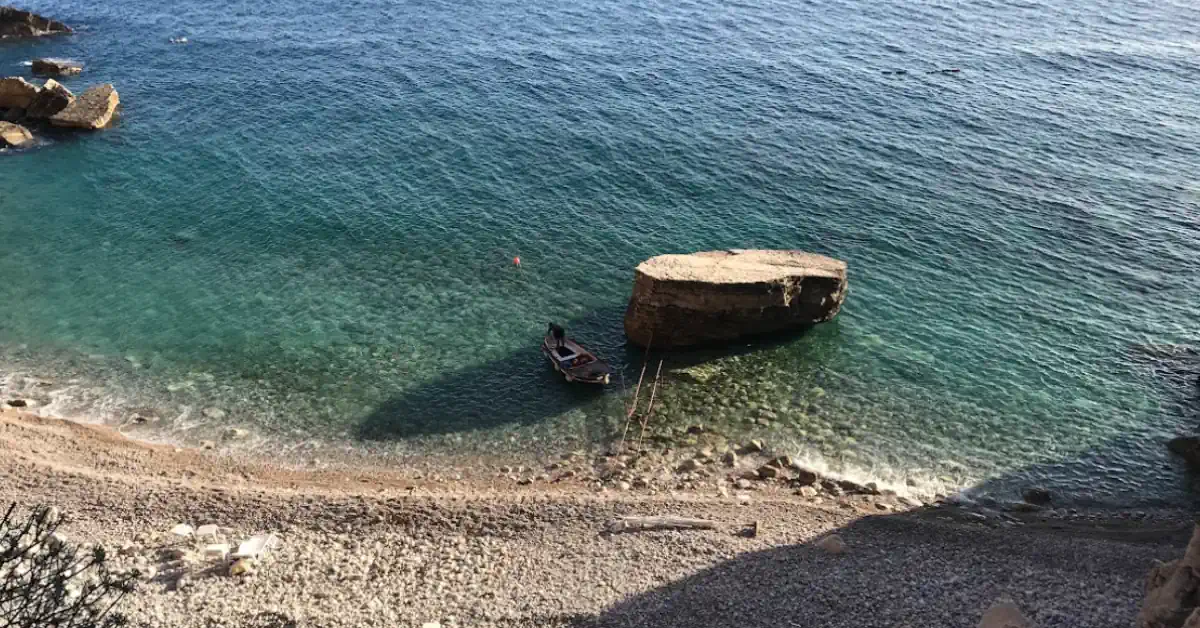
(380, 547)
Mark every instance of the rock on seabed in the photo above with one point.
(1187, 448)
(719, 296)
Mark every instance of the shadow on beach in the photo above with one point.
(910, 570)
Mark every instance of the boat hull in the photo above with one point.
(593, 372)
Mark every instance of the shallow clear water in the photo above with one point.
(307, 216)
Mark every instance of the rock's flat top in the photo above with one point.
(740, 266)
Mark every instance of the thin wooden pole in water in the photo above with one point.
(632, 409)
(636, 394)
(649, 408)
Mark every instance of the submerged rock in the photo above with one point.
(1037, 495)
(56, 67)
(93, 109)
(50, 100)
(1188, 448)
(17, 24)
(16, 93)
(718, 296)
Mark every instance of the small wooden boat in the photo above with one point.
(573, 361)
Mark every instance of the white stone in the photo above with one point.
(832, 544)
(214, 413)
(257, 545)
(207, 531)
(182, 529)
(431, 624)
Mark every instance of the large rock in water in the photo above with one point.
(14, 135)
(93, 109)
(16, 24)
(52, 99)
(56, 67)
(717, 296)
(1173, 591)
(16, 93)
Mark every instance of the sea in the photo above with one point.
(305, 221)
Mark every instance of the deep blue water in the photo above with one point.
(306, 218)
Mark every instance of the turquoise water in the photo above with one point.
(306, 219)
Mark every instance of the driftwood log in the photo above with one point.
(643, 524)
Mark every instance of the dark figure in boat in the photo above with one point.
(559, 334)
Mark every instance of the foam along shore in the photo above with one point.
(411, 544)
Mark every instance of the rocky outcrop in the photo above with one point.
(1188, 448)
(17, 24)
(16, 93)
(718, 296)
(93, 109)
(1173, 591)
(15, 136)
(50, 100)
(56, 67)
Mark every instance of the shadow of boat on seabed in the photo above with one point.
(518, 389)
(522, 389)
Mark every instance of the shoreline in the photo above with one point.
(399, 546)
(199, 410)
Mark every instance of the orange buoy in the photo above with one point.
(516, 261)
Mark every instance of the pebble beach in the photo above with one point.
(409, 547)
